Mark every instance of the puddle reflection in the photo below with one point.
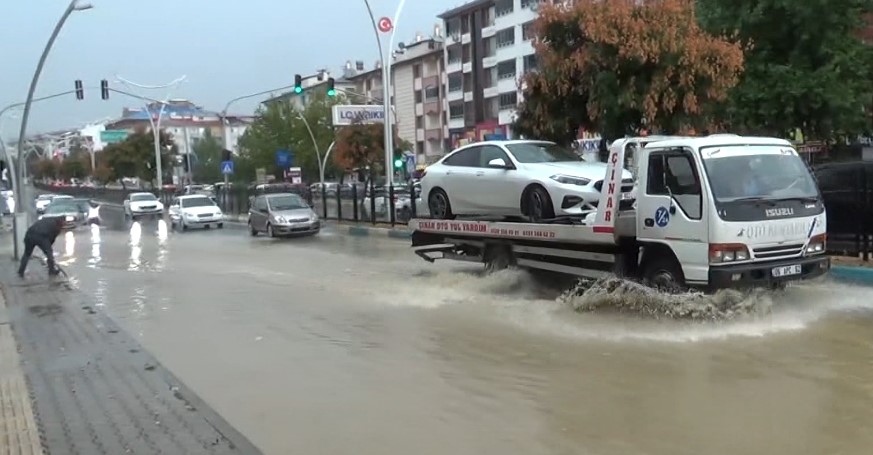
(135, 248)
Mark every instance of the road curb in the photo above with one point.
(858, 275)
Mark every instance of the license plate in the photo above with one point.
(627, 196)
(788, 270)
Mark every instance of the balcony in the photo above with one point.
(432, 107)
(467, 67)
(456, 95)
(454, 38)
(489, 31)
(419, 109)
(468, 96)
(434, 134)
(453, 66)
(456, 123)
(491, 92)
(419, 134)
(489, 62)
(507, 85)
(465, 38)
(416, 84)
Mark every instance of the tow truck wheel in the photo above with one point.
(664, 274)
(538, 204)
(439, 205)
(497, 258)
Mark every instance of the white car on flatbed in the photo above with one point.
(721, 211)
(538, 180)
(195, 210)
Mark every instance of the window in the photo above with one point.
(506, 69)
(456, 82)
(530, 63)
(673, 173)
(541, 152)
(260, 204)
(468, 157)
(416, 70)
(418, 96)
(771, 172)
(419, 122)
(491, 152)
(527, 31)
(505, 37)
(454, 54)
(456, 111)
(529, 3)
(431, 92)
(503, 7)
(508, 100)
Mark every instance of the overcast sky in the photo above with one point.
(226, 48)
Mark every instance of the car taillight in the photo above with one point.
(720, 253)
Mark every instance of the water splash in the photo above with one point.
(619, 295)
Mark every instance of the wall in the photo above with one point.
(404, 99)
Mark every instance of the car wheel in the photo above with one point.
(439, 206)
(220, 225)
(539, 205)
(252, 230)
(184, 226)
(270, 232)
(664, 274)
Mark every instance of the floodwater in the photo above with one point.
(341, 345)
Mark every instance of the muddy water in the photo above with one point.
(340, 345)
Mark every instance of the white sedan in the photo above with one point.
(138, 205)
(195, 210)
(535, 179)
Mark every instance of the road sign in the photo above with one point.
(284, 159)
(227, 167)
(385, 25)
(113, 136)
(344, 115)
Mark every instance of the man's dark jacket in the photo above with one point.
(44, 230)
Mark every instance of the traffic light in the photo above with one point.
(398, 160)
(331, 90)
(104, 89)
(80, 90)
(226, 155)
(298, 84)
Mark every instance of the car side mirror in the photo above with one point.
(498, 163)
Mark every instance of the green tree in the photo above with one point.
(73, 167)
(135, 156)
(206, 162)
(45, 168)
(806, 66)
(362, 146)
(610, 66)
(278, 127)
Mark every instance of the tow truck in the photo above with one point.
(697, 220)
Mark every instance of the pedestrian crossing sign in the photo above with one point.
(227, 167)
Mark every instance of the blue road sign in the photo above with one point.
(284, 159)
(227, 167)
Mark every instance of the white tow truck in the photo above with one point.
(721, 211)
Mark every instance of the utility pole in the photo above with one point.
(190, 173)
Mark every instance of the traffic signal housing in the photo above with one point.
(298, 83)
(80, 90)
(331, 90)
(104, 89)
(226, 155)
(398, 160)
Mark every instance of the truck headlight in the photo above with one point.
(70, 218)
(720, 253)
(570, 180)
(817, 244)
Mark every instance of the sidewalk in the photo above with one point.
(90, 387)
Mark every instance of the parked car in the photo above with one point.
(139, 205)
(282, 214)
(402, 202)
(195, 210)
(536, 179)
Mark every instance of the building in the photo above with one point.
(488, 48)
(312, 84)
(185, 121)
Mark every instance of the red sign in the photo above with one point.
(385, 25)
(475, 227)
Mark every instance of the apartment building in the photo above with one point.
(417, 95)
(488, 48)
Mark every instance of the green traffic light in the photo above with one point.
(398, 163)
(331, 92)
(298, 89)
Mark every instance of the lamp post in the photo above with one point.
(20, 214)
(386, 86)
(156, 123)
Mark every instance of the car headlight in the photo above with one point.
(728, 252)
(188, 214)
(817, 244)
(281, 219)
(570, 180)
(313, 217)
(70, 218)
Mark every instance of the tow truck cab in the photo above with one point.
(721, 211)
(728, 211)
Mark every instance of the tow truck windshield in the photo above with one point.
(760, 182)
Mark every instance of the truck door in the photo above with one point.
(670, 209)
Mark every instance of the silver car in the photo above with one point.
(282, 214)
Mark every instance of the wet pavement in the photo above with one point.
(336, 345)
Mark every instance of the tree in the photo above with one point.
(806, 66)
(135, 156)
(614, 66)
(362, 146)
(102, 174)
(278, 127)
(45, 168)
(206, 162)
(72, 167)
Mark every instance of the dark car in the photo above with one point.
(847, 190)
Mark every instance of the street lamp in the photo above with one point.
(20, 214)
(386, 86)
(156, 123)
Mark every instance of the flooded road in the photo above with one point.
(339, 345)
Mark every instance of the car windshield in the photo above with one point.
(61, 208)
(61, 198)
(289, 202)
(44, 197)
(197, 202)
(143, 197)
(541, 152)
(757, 172)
